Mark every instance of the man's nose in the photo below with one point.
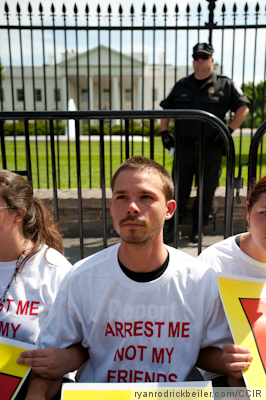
(133, 208)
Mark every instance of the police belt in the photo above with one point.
(209, 142)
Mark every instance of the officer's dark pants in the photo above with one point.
(188, 167)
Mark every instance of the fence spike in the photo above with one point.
(109, 10)
(165, 9)
(120, 10)
(188, 9)
(18, 8)
(199, 8)
(132, 9)
(52, 8)
(257, 7)
(234, 8)
(98, 9)
(143, 8)
(29, 8)
(75, 8)
(6, 7)
(87, 10)
(223, 8)
(176, 9)
(63, 8)
(246, 8)
(40, 8)
(154, 9)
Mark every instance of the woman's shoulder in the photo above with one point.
(221, 255)
(52, 258)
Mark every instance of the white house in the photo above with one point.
(56, 85)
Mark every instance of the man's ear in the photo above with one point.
(19, 215)
(170, 210)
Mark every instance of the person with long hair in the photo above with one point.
(243, 254)
(31, 262)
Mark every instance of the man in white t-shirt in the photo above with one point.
(142, 310)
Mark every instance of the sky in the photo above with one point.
(231, 57)
(137, 6)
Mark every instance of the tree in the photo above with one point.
(1, 81)
(257, 104)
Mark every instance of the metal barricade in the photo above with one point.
(127, 116)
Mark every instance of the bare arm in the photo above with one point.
(239, 117)
(210, 359)
(42, 389)
(54, 363)
(164, 124)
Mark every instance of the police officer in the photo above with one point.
(208, 91)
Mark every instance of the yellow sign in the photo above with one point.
(12, 375)
(244, 301)
(135, 391)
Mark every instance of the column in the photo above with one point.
(91, 94)
(140, 88)
(115, 99)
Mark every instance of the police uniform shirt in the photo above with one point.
(216, 94)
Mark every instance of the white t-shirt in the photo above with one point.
(226, 256)
(31, 294)
(137, 332)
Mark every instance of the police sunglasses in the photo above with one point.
(196, 57)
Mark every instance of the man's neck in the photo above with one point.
(144, 257)
(202, 75)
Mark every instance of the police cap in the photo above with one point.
(203, 48)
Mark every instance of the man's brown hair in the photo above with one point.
(139, 163)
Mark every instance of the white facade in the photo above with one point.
(121, 96)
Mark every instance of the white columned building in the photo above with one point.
(123, 88)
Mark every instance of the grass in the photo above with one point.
(90, 166)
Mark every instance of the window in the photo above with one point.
(128, 96)
(155, 94)
(38, 94)
(2, 97)
(84, 95)
(57, 95)
(106, 95)
(20, 95)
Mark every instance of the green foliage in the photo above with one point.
(1, 69)
(135, 127)
(39, 128)
(94, 129)
(259, 108)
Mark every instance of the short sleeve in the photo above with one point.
(169, 102)
(238, 98)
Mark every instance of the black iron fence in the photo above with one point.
(127, 116)
(253, 155)
(125, 59)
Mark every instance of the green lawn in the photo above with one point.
(90, 177)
